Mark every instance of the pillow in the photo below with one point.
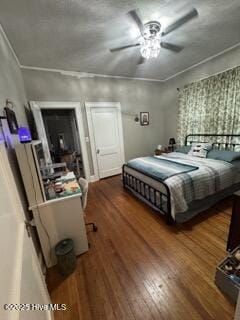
(200, 149)
(223, 155)
(183, 149)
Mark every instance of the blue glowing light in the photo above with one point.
(24, 135)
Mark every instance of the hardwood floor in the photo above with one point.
(138, 268)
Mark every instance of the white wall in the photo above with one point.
(12, 87)
(134, 96)
(11, 82)
(170, 97)
(160, 99)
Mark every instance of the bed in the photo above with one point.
(180, 186)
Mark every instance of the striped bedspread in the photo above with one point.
(158, 168)
(211, 177)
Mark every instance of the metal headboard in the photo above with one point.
(219, 141)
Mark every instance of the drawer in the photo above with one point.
(223, 280)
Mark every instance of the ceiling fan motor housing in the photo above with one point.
(151, 29)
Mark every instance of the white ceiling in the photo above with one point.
(76, 35)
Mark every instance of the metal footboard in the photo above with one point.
(159, 199)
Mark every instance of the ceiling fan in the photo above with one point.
(151, 34)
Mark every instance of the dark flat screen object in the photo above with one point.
(12, 120)
(234, 230)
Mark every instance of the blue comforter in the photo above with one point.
(159, 169)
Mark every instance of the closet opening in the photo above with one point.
(60, 129)
(63, 139)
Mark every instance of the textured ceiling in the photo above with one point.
(76, 34)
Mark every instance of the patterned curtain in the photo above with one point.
(210, 106)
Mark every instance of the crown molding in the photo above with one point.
(80, 75)
(86, 74)
(9, 45)
(92, 75)
(203, 61)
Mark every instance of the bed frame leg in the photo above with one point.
(169, 220)
(123, 177)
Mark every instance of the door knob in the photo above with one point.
(98, 151)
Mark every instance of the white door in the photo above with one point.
(105, 126)
(20, 276)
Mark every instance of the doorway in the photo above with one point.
(63, 138)
(106, 138)
(60, 128)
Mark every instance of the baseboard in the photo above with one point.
(93, 179)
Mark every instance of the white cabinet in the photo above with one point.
(59, 219)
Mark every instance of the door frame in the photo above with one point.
(88, 106)
(76, 106)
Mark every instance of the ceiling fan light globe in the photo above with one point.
(150, 48)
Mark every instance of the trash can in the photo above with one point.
(66, 258)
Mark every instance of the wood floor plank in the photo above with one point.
(139, 268)
(175, 256)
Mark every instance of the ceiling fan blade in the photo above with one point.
(125, 47)
(141, 60)
(170, 46)
(178, 23)
(134, 15)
